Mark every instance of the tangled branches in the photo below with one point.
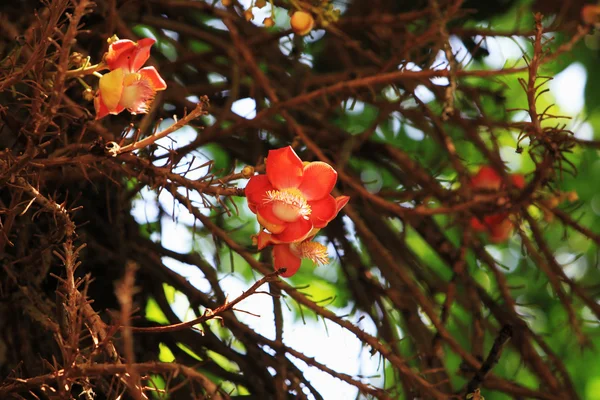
(394, 97)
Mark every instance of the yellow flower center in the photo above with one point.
(314, 251)
(288, 204)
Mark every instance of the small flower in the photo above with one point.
(302, 23)
(127, 85)
(293, 198)
(290, 255)
(498, 226)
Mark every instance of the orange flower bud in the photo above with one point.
(248, 15)
(268, 22)
(302, 23)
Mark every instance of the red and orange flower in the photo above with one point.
(127, 85)
(289, 256)
(498, 226)
(293, 198)
(293, 202)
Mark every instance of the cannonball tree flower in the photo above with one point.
(293, 198)
(290, 255)
(498, 226)
(127, 85)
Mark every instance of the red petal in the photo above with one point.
(518, 180)
(256, 190)
(284, 168)
(486, 178)
(318, 180)
(141, 53)
(263, 239)
(119, 53)
(340, 202)
(501, 232)
(322, 211)
(152, 75)
(101, 109)
(294, 231)
(266, 218)
(284, 258)
(477, 225)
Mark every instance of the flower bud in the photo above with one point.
(268, 22)
(112, 39)
(248, 171)
(88, 94)
(248, 15)
(76, 59)
(302, 23)
(572, 196)
(260, 3)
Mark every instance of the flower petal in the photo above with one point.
(141, 53)
(265, 218)
(284, 168)
(486, 178)
(263, 239)
(111, 88)
(284, 258)
(256, 190)
(477, 225)
(295, 231)
(501, 232)
(340, 202)
(318, 180)
(119, 53)
(322, 211)
(101, 109)
(152, 76)
(518, 180)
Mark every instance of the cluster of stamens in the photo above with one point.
(313, 251)
(292, 198)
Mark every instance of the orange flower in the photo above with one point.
(498, 226)
(293, 198)
(128, 85)
(290, 255)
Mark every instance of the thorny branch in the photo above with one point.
(72, 253)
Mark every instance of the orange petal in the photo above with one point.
(501, 232)
(518, 180)
(152, 75)
(263, 239)
(486, 178)
(101, 109)
(295, 231)
(322, 211)
(256, 190)
(266, 212)
(111, 88)
(477, 225)
(271, 223)
(284, 258)
(340, 202)
(284, 168)
(318, 180)
(141, 54)
(119, 53)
